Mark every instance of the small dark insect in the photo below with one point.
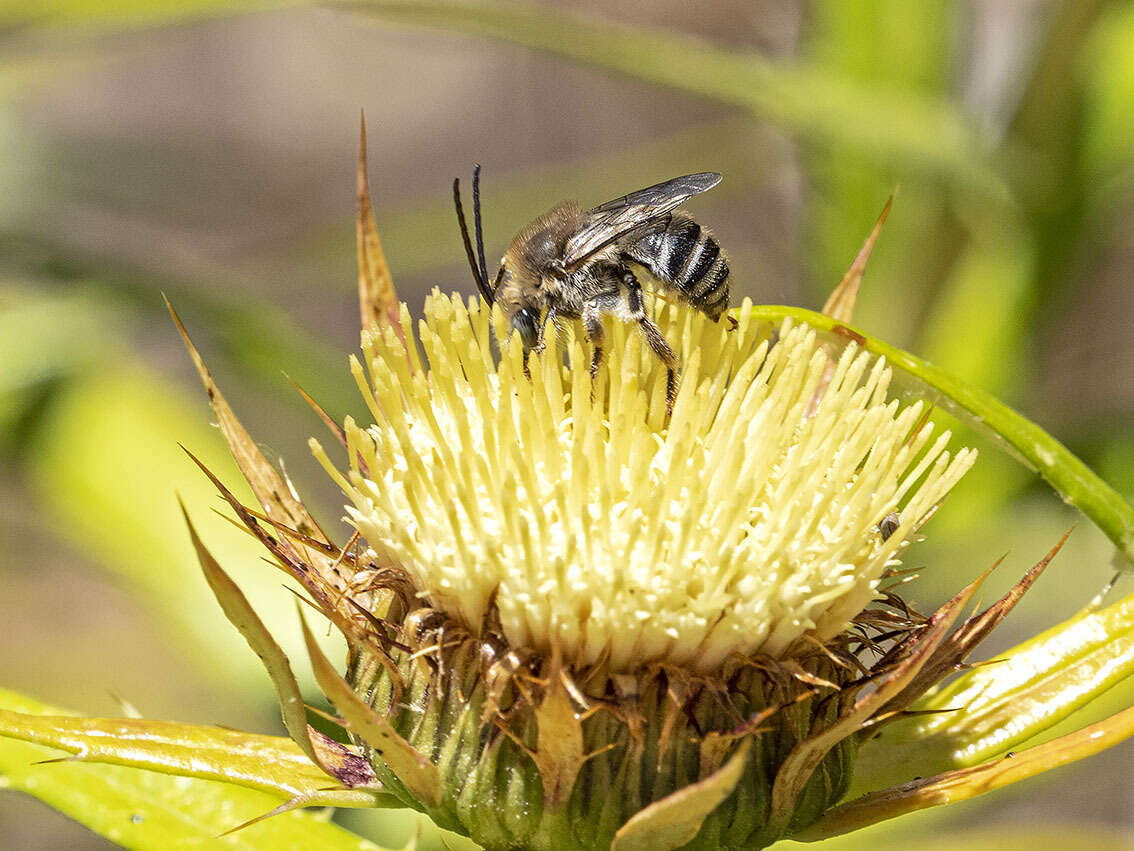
(575, 264)
(889, 525)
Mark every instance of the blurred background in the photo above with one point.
(207, 150)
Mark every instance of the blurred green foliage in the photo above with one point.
(1003, 216)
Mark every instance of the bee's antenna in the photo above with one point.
(481, 281)
(476, 222)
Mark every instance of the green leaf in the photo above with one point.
(242, 616)
(149, 810)
(268, 763)
(962, 784)
(1054, 462)
(88, 322)
(976, 328)
(1001, 705)
(902, 46)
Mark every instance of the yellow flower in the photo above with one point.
(594, 528)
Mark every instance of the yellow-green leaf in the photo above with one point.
(241, 615)
(1000, 705)
(961, 784)
(143, 809)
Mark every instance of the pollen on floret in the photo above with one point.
(583, 520)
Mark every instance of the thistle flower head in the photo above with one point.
(576, 620)
(584, 522)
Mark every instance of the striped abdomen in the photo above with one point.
(686, 257)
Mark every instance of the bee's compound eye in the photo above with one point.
(525, 322)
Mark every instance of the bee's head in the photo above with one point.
(520, 299)
(530, 272)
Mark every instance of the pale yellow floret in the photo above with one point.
(746, 523)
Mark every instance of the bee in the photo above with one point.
(571, 264)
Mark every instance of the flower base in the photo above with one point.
(535, 755)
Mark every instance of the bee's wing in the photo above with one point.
(637, 214)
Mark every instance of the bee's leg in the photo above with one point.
(657, 342)
(592, 321)
(538, 347)
(541, 340)
(655, 339)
